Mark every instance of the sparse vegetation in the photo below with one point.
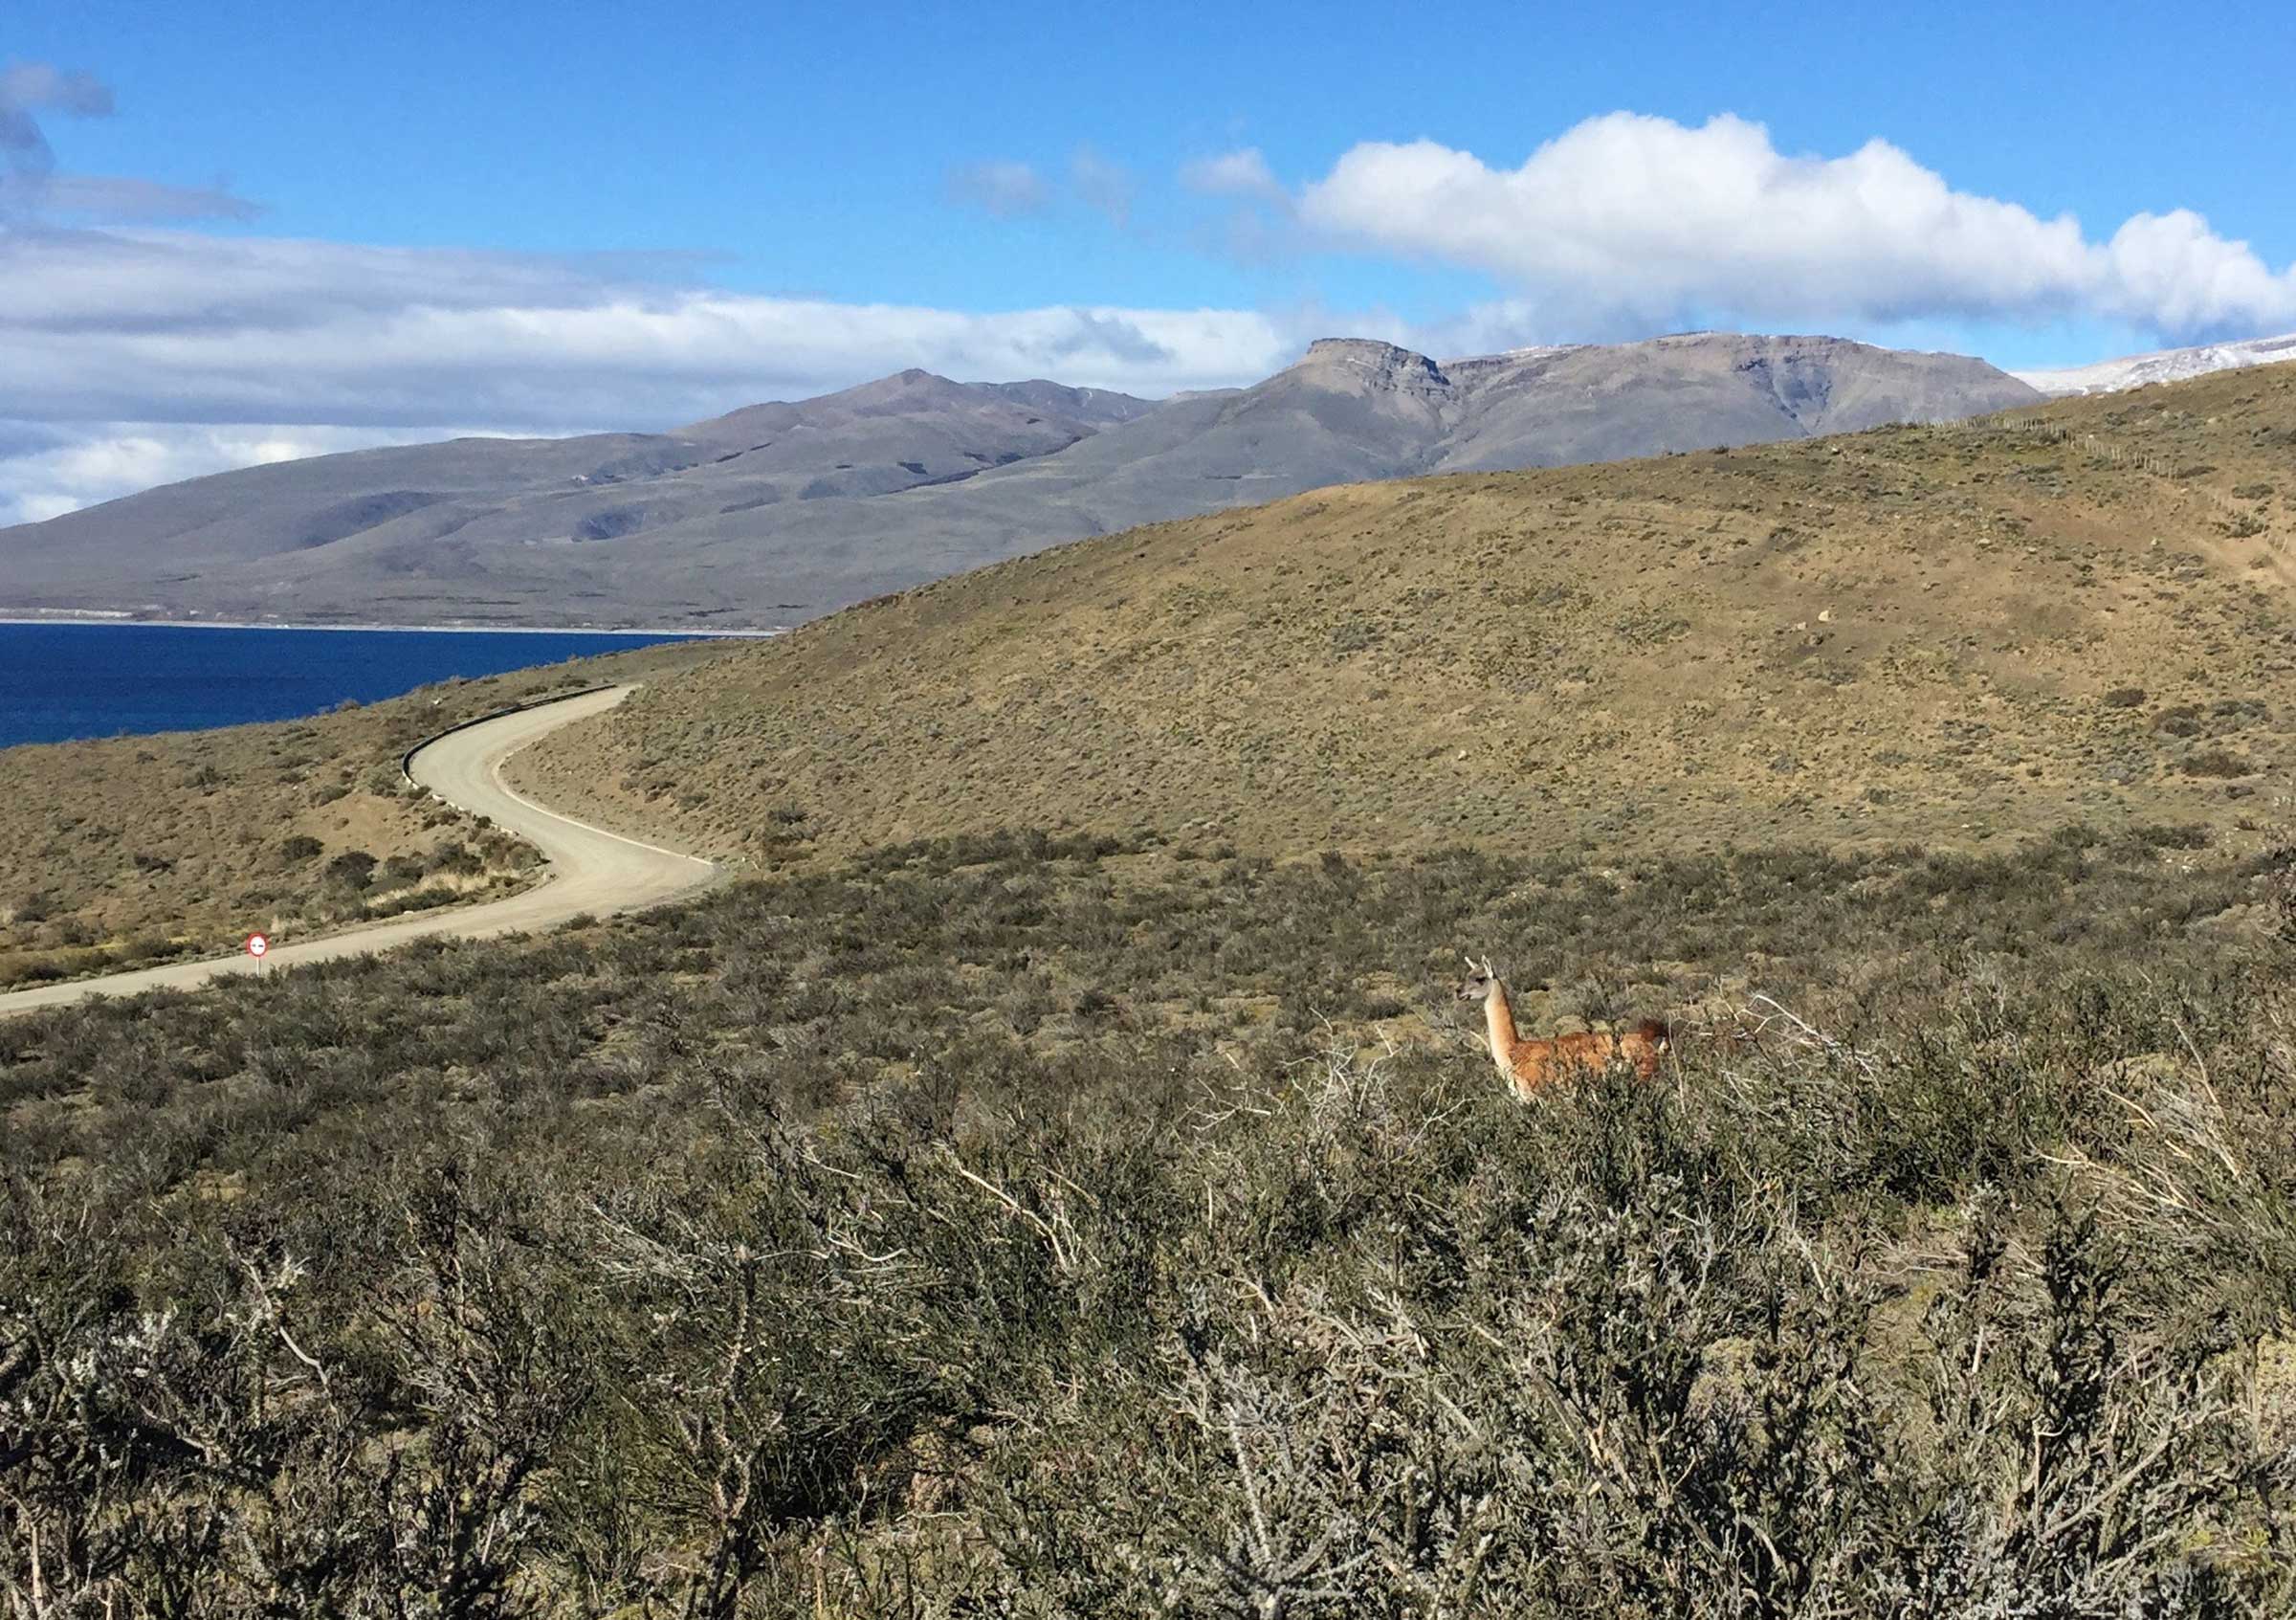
(2217, 762)
(1083, 1226)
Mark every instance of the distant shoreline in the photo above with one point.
(124, 621)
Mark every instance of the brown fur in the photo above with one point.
(1527, 1065)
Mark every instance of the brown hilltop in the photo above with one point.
(2072, 612)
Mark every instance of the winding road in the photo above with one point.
(590, 870)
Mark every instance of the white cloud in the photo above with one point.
(30, 185)
(46, 469)
(31, 88)
(1103, 185)
(1001, 187)
(1007, 189)
(1240, 173)
(124, 197)
(1257, 227)
(154, 325)
(46, 87)
(1638, 219)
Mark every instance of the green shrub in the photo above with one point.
(458, 858)
(31, 970)
(351, 871)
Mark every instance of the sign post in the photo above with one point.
(258, 946)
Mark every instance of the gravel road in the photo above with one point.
(590, 870)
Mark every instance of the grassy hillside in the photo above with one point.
(1017, 1227)
(134, 849)
(1956, 633)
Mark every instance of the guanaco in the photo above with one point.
(1526, 1065)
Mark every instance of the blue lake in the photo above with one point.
(61, 681)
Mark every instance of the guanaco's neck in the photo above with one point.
(1499, 1023)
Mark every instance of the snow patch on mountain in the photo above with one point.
(2166, 365)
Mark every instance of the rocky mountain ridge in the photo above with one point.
(776, 513)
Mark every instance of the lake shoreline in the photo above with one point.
(124, 622)
(64, 680)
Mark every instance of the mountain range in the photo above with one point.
(778, 513)
(2163, 366)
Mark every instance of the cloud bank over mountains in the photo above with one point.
(139, 348)
(163, 338)
(265, 329)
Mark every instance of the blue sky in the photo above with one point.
(247, 229)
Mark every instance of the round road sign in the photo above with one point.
(256, 945)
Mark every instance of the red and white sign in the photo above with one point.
(256, 945)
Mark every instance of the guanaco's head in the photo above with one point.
(1480, 978)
